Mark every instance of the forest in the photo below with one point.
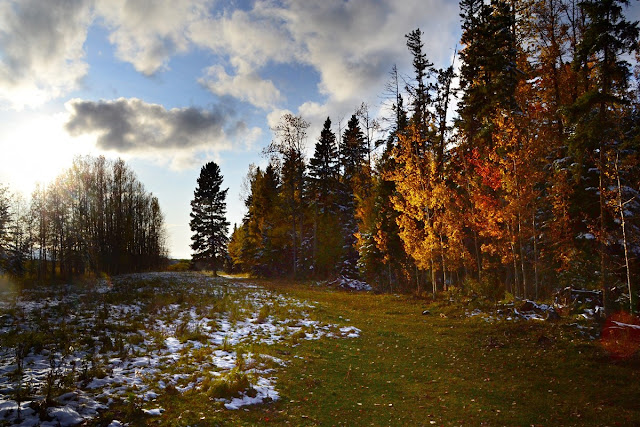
(515, 175)
(96, 217)
(490, 213)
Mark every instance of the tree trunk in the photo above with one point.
(603, 237)
(535, 254)
(624, 238)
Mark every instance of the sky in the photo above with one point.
(169, 85)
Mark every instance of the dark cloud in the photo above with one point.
(131, 125)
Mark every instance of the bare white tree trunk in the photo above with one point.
(624, 235)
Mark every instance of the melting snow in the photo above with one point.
(107, 364)
(153, 412)
(351, 284)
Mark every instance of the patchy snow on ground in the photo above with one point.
(351, 284)
(153, 412)
(140, 335)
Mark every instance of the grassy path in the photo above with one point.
(412, 369)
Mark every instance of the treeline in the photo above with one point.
(95, 217)
(530, 187)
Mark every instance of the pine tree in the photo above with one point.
(353, 154)
(420, 90)
(324, 169)
(353, 150)
(208, 222)
(488, 75)
(324, 174)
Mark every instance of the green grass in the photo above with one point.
(412, 369)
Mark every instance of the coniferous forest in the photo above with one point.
(516, 174)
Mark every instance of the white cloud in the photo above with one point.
(250, 39)
(351, 44)
(147, 33)
(41, 50)
(246, 86)
(273, 118)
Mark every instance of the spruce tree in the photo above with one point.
(353, 150)
(488, 75)
(324, 168)
(5, 218)
(421, 88)
(208, 222)
(324, 173)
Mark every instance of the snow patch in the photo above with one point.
(155, 357)
(154, 412)
(351, 284)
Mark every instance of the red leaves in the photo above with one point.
(486, 170)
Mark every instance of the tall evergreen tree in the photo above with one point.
(353, 154)
(324, 174)
(324, 168)
(488, 75)
(208, 222)
(420, 90)
(596, 114)
(5, 218)
(353, 150)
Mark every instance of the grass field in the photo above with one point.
(196, 347)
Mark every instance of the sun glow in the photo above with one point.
(37, 150)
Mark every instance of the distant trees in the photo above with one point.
(208, 218)
(5, 217)
(94, 217)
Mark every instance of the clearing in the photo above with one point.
(189, 349)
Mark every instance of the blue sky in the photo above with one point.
(161, 67)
